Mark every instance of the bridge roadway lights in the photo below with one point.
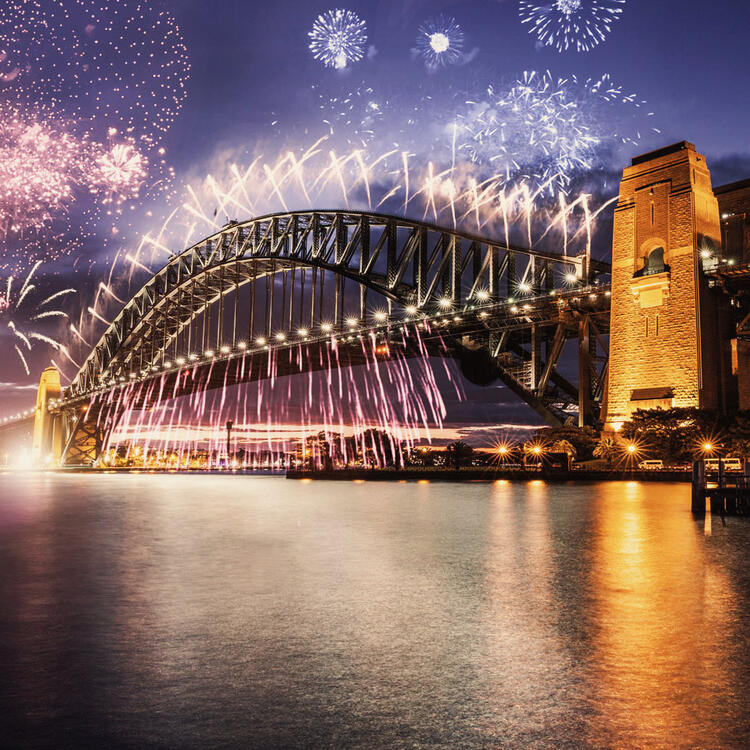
(481, 312)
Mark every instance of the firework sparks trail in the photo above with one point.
(453, 196)
(355, 114)
(338, 38)
(440, 41)
(571, 24)
(18, 313)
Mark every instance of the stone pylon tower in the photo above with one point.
(665, 344)
(47, 443)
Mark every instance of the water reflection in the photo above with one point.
(664, 615)
(153, 611)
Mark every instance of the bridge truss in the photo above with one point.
(312, 279)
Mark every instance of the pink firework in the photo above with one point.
(88, 88)
(41, 167)
(122, 170)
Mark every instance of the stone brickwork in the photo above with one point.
(661, 348)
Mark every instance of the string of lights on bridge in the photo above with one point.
(353, 329)
(515, 306)
(21, 415)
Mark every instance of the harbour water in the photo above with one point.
(227, 611)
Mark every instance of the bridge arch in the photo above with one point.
(409, 264)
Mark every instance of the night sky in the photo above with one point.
(232, 81)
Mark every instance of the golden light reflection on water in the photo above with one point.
(617, 615)
(524, 655)
(661, 619)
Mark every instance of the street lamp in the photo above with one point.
(230, 424)
(503, 452)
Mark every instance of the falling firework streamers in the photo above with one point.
(440, 41)
(571, 24)
(342, 415)
(21, 316)
(98, 83)
(338, 38)
(546, 130)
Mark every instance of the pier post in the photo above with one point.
(698, 505)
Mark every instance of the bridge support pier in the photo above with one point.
(88, 436)
(666, 349)
(585, 406)
(47, 444)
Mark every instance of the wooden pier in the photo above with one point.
(727, 492)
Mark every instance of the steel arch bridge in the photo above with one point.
(309, 277)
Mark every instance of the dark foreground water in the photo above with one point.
(205, 611)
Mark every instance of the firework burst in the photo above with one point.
(20, 316)
(440, 41)
(545, 130)
(121, 171)
(41, 165)
(338, 38)
(72, 74)
(571, 24)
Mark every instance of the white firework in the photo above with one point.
(440, 41)
(546, 130)
(338, 38)
(571, 24)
